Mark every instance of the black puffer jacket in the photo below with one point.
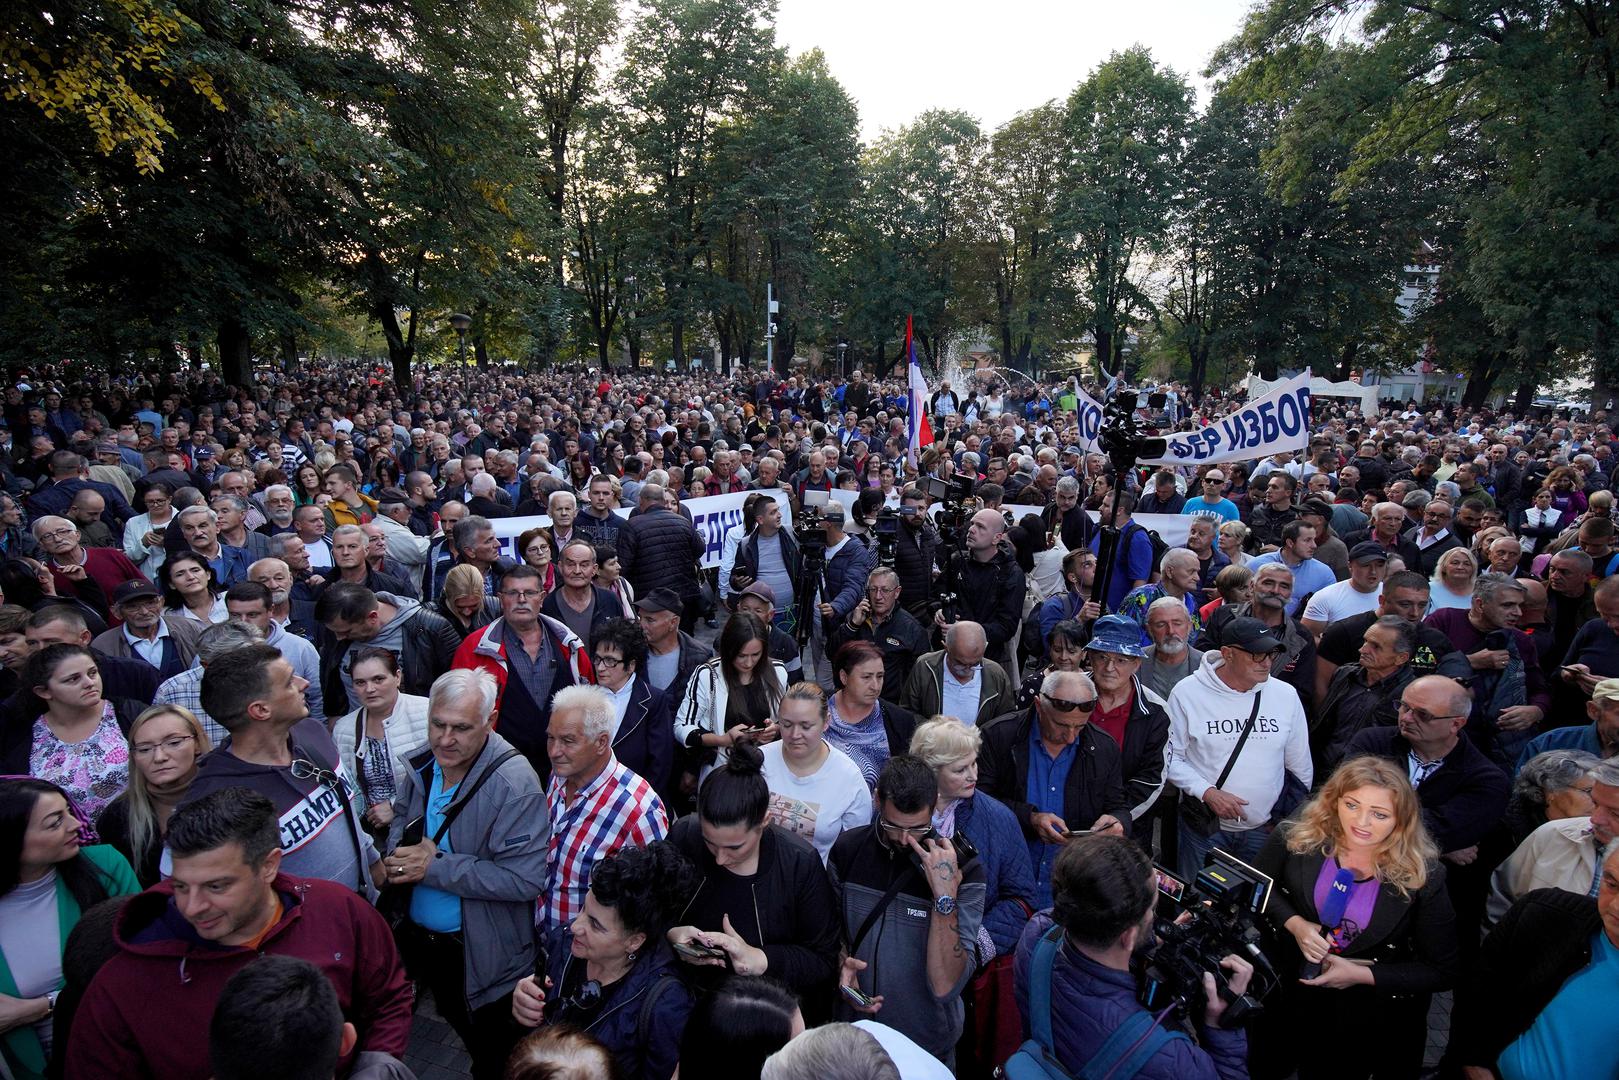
(428, 651)
(658, 548)
(915, 555)
(992, 594)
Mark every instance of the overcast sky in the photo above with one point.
(899, 58)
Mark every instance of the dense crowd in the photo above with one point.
(871, 772)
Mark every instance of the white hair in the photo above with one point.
(483, 484)
(1048, 685)
(458, 684)
(594, 705)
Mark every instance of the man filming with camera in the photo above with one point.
(1104, 894)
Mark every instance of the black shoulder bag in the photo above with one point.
(1194, 811)
(395, 902)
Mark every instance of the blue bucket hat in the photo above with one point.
(1118, 634)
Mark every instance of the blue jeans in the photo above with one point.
(1195, 847)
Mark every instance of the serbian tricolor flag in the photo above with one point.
(919, 431)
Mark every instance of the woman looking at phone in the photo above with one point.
(730, 699)
(763, 899)
(1362, 838)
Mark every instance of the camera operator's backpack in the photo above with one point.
(1131, 1045)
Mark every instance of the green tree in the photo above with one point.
(690, 68)
(1126, 128)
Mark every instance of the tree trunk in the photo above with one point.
(1105, 361)
(1199, 356)
(289, 352)
(1524, 399)
(235, 353)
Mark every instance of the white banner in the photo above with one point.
(711, 514)
(1089, 417)
(1278, 421)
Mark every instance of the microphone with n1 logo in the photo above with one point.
(1332, 914)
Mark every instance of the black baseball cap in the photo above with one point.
(1251, 635)
(663, 599)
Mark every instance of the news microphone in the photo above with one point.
(1332, 913)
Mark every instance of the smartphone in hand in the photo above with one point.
(856, 996)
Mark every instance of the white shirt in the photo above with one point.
(621, 702)
(1340, 601)
(961, 699)
(820, 806)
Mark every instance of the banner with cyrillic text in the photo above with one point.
(1276, 422)
(711, 514)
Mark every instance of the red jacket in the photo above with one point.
(147, 1012)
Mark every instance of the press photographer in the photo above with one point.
(1105, 893)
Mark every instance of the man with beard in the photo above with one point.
(292, 603)
(1294, 663)
(915, 977)
(1171, 658)
(279, 506)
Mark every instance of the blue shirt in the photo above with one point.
(1132, 563)
(1563, 738)
(1577, 1033)
(430, 908)
(1048, 778)
(1309, 576)
(1222, 511)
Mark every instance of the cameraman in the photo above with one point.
(840, 587)
(916, 551)
(989, 588)
(1104, 890)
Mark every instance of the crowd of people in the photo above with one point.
(298, 731)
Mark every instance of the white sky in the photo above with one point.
(899, 58)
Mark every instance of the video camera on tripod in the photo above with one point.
(1199, 923)
(1124, 444)
(957, 508)
(809, 531)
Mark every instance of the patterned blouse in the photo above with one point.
(93, 772)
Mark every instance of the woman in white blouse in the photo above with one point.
(377, 740)
(816, 791)
(143, 533)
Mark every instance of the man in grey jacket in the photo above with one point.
(469, 833)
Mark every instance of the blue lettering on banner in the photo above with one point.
(1089, 419)
(1278, 421)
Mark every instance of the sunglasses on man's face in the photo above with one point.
(1065, 706)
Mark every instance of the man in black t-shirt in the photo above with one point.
(1404, 594)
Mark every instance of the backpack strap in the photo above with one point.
(1040, 971)
(1123, 1048)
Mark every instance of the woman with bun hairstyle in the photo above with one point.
(610, 973)
(763, 899)
(1380, 963)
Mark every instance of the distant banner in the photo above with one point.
(711, 514)
(1276, 422)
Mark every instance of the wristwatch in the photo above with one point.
(945, 905)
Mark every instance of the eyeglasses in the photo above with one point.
(901, 831)
(587, 998)
(1066, 706)
(522, 594)
(609, 661)
(1423, 716)
(1107, 659)
(171, 745)
(303, 769)
(57, 534)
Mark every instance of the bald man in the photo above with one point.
(989, 586)
(957, 680)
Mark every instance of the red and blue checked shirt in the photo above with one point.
(617, 809)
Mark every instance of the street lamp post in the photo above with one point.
(461, 323)
(843, 347)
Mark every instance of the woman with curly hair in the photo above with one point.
(1395, 945)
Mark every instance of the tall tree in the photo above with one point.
(1126, 127)
(690, 66)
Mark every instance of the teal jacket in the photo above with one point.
(24, 1054)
